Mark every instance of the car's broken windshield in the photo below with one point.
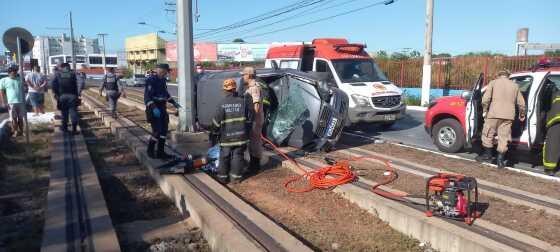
(354, 70)
(291, 113)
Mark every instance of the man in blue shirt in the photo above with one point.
(14, 94)
(156, 98)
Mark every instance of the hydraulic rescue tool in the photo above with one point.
(451, 196)
(184, 164)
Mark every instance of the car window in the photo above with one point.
(321, 66)
(524, 83)
(289, 64)
(291, 113)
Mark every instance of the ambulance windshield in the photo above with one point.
(355, 70)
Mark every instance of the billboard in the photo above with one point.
(242, 52)
(202, 51)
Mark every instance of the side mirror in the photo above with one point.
(466, 95)
(324, 91)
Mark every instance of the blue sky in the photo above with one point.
(459, 25)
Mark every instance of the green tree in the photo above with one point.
(238, 40)
(555, 53)
(381, 55)
(442, 55)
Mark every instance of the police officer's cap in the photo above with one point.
(163, 66)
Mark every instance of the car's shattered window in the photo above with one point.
(291, 113)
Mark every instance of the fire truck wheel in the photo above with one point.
(448, 135)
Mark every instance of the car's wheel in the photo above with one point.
(448, 135)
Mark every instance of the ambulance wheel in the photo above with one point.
(448, 135)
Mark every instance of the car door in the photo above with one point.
(473, 112)
(533, 113)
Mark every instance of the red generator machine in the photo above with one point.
(451, 196)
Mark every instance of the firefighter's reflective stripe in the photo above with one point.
(236, 143)
(266, 101)
(557, 99)
(553, 120)
(230, 120)
(215, 123)
(546, 163)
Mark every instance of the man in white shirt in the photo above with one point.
(37, 83)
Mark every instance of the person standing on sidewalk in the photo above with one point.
(156, 98)
(67, 94)
(14, 96)
(37, 83)
(498, 105)
(231, 124)
(253, 90)
(113, 90)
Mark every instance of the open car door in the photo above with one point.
(473, 112)
(534, 118)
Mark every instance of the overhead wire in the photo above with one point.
(262, 17)
(319, 20)
(295, 16)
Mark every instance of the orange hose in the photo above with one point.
(331, 176)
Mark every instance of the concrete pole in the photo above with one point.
(427, 68)
(72, 43)
(185, 65)
(22, 81)
(104, 59)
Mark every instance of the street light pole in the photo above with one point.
(72, 43)
(104, 59)
(185, 65)
(427, 68)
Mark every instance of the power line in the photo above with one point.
(295, 16)
(259, 18)
(385, 2)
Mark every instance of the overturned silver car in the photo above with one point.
(304, 112)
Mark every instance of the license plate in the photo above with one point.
(331, 126)
(390, 117)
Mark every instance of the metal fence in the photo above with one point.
(456, 72)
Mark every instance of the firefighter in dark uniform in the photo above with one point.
(156, 98)
(67, 94)
(551, 149)
(231, 124)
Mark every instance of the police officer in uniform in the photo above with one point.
(498, 105)
(156, 98)
(551, 150)
(254, 91)
(67, 94)
(113, 90)
(232, 123)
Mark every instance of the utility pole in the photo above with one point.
(22, 81)
(427, 68)
(72, 43)
(104, 59)
(185, 65)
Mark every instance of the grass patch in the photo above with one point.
(24, 181)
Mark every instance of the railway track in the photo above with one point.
(261, 233)
(492, 235)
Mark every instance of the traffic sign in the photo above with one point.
(26, 39)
